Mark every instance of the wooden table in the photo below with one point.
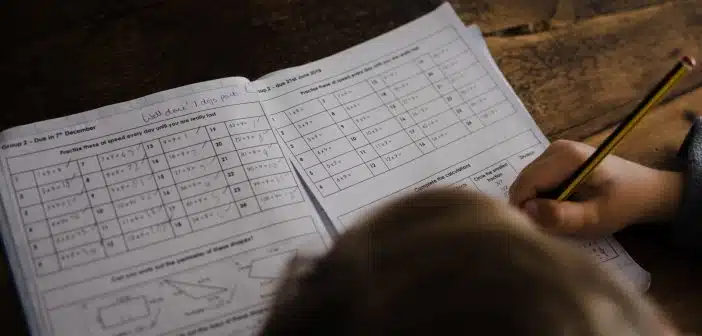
(578, 65)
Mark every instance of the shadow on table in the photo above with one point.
(676, 277)
(13, 320)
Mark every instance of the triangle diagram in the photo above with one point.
(195, 291)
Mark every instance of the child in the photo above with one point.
(447, 262)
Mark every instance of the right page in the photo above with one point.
(421, 106)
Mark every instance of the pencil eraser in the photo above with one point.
(689, 61)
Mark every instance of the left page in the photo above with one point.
(167, 215)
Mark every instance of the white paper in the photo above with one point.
(421, 106)
(172, 214)
(161, 220)
(606, 251)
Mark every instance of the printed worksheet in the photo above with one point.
(422, 106)
(175, 213)
(172, 214)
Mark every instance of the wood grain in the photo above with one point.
(580, 80)
(590, 8)
(657, 138)
(64, 17)
(492, 16)
(655, 142)
(58, 17)
(524, 16)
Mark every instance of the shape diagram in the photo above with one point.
(125, 310)
(195, 291)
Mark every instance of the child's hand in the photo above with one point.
(618, 193)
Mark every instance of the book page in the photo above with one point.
(422, 106)
(168, 215)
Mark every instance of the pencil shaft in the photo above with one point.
(566, 189)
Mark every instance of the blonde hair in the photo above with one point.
(446, 261)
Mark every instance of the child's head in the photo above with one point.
(460, 263)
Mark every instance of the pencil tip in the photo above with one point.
(689, 61)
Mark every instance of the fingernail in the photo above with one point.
(531, 208)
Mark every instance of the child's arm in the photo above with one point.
(619, 193)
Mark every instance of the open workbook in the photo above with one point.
(173, 214)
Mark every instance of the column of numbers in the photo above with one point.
(256, 170)
(101, 205)
(268, 181)
(363, 109)
(65, 195)
(446, 127)
(35, 222)
(197, 179)
(396, 86)
(165, 184)
(136, 203)
(485, 103)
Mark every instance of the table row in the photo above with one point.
(262, 146)
(67, 242)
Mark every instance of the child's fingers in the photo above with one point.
(554, 166)
(563, 217)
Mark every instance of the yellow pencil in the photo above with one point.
(566, 189)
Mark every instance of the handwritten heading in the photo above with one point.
(177, 107)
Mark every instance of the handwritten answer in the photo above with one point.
(145, 193)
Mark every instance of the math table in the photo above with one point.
(578, 65)
(196, 179)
